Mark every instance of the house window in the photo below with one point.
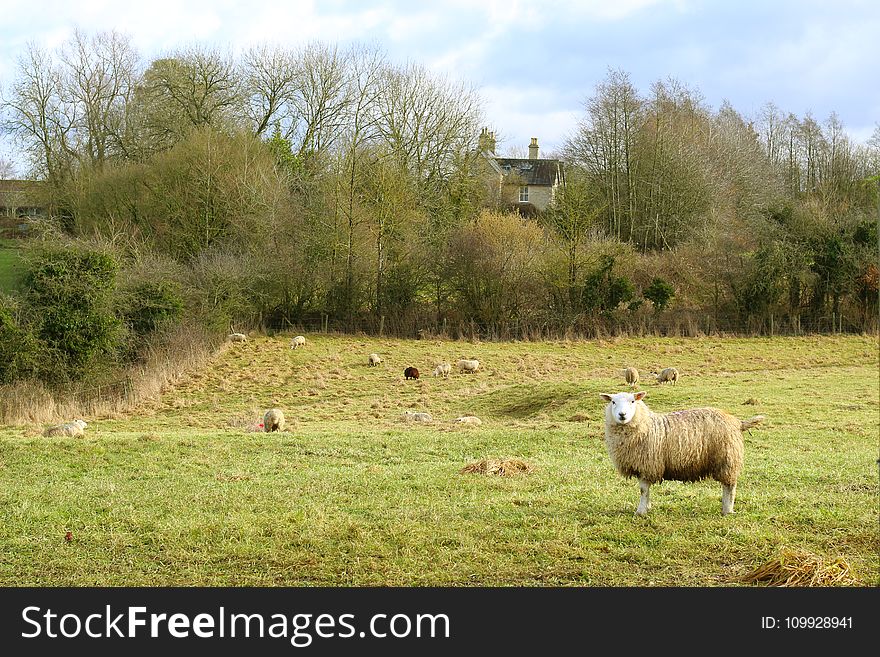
(524, 194)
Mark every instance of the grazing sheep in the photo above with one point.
(273, 420)
(666, 375)
(469, 419)
(298, 341)
(686, 445)
(631, 374)
(237, 337)
(410, 373)
(72, 429)
(373, 360)
(443, 369)
(468, 365)
(413, 416)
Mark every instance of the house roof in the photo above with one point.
(531, 171)
(20, 193)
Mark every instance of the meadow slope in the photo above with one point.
(182, 491)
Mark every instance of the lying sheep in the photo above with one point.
(72, 429)
(410, 373)
(666, 375)
(298, 341)
(443, 369)
(468, 365)
(237, 337)
(469, 419)
(373, 360)
(413, 416)
(273, 420)
(686, 445)
(631, 374)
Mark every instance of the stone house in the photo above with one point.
(529, 185)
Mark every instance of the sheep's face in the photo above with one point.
(622, 406)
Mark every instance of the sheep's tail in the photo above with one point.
(751, 422)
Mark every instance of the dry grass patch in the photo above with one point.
(791, 567)
(500, 467)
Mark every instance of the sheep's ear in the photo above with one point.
(605, 397)
(639, 395)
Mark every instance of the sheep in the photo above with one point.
(237, 337)
(468, 365)
(468, 419)
(686, 445)
(666, 375)
(443, 369)
(413, 416)
(298, 341)
(273, 420)
(410, 373)
(73, 429)
(631, 374)
(373, 360)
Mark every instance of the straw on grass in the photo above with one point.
(800, 568)
(500, 467)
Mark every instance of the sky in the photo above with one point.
(534, 62)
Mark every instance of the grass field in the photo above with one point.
(181, 492)
(10, 265)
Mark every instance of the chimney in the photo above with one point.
(487, 141)
(533, 149)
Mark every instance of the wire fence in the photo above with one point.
(681, 324)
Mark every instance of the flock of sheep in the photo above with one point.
(683, 445)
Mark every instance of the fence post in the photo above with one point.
(381, 324)
(771, 325)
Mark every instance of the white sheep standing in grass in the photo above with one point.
(686, 445)
(373, 360)
(666, 375)
(273, 420)
(237, 337)
(413, 416)
(631, 374)
(468, 419)
(443, 369)
(72, 429)
(298, 341)
(468, 365)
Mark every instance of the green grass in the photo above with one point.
(179, 493)
(10, 266)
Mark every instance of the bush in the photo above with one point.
(660, 293)
(68, 291)
(21, 356)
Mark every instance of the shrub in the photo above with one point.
(68, 292)
(660, 293)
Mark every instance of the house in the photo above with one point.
(19, 200)
(528, 185)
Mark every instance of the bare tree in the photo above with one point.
(324, 95)
(39, 116)
(7, 169)
(270, 78)
(99, 79)
(194, 88)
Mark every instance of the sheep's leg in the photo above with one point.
(728, 495)
(645, 501)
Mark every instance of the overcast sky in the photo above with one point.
(534, 62)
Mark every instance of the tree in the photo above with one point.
(573, 216)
